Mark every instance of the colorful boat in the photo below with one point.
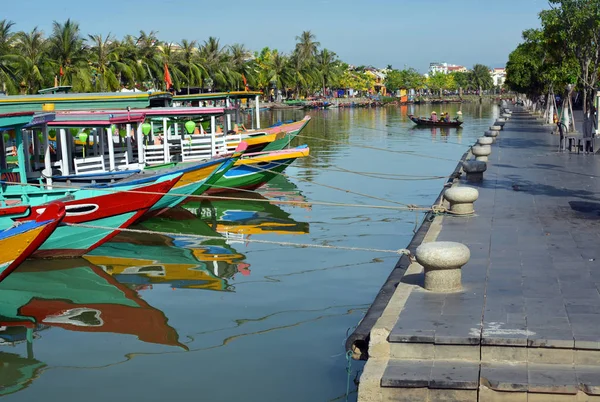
(420, 121)
(20, 241)
(255, 169)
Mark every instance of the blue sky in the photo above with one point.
(376, 32)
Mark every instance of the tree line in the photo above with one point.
(30, 61)
(562, 56)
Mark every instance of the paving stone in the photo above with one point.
(407, 374)
(588, 378)
(504, 377)
(454, 375)
(552, 379)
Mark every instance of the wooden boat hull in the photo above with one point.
(429, 123)
(108, 208)
(19, 242)
(255, 170)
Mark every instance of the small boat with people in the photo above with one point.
(434, 122)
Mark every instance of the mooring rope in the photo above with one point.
(402, 251)
(409, 207)
(376, 148)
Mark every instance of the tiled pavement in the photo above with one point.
(531, 289)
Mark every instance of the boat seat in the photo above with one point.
(154, 154)
(121, 160)
(195, 147)
(93, 164)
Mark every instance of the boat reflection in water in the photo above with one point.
(144, 260)
(74, 295)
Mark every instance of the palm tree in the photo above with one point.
(107, 67)
(216, 62)
(306, 47)
(481, 78)
(69, 55)
(240, 60)
(327, 67)
(278, 70)
(32, 65)
(189, 63)
(8, 77)
(149, 56)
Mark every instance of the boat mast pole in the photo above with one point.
(19, 133)
(257, 110)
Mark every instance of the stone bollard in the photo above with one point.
(461, 199)
(442, 262)
(505, 116)
(485, 140)
(495, 128)
(481, 152)
(492, 135)
(474, 170)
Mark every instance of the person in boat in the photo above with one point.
(447, 117)
(434, 117)
(459, 117)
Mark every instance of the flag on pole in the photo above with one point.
(245, 82)
(168, 80)
(61, 72)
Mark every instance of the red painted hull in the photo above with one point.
(139, 201)
(112, 203)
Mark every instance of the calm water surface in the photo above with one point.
(153, 317)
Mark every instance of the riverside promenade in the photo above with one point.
(526, 324)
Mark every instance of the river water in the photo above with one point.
(155, 317)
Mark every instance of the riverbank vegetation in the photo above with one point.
(32, 60)
(562, 56)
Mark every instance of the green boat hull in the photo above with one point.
(74, 241)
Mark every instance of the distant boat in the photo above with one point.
(428, 123)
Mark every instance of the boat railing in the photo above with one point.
(195, 147)
(154, 154)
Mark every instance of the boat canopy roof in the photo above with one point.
(105, 118)
(217, 96)
(83, 101)
(8, 121)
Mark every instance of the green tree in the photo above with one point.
(189, 63)
(481, 78)
(8, 76)
(108, 70)
(32, 63)
(69, 55)
(328, 67)
(437, 82)
(576, 24)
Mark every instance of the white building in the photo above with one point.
(498, 76)
(445, 68)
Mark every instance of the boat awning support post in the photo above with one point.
(64, 152)
(257, 111)
(36, 148)
(129, 139)
(19, 134)
(228, 104)
(213, 134)
(27, 162)
(166, 140)
(95, 146)
(111, 148)
(3, 153)
(47, 160)
(139, 135)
